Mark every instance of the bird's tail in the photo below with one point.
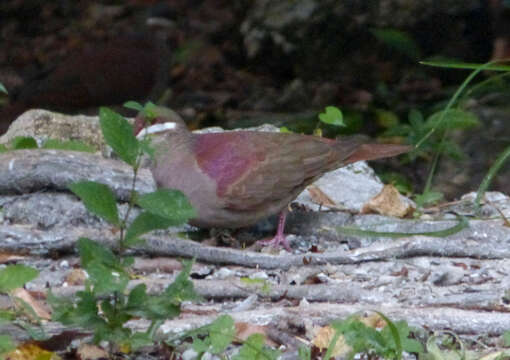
(376, 151)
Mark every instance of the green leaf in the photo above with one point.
(264, 285)
(6, 344)
(15, 276)
(332, 345)
(92, 251)
(254, 349)
(133, 105)
(415, 118)
(104, 268)
(353, 231)
(83, 313)
(150, 110)
(144, 223)
(3, 148)
(36, 333)
(452, 119)
(6, 316)
(182, 288)
(428, 198)
(24, 142)
(156, 307)
(106, 279)
(68, 145)
(387, 343)
(221, 333)
(26, 308)
(359, 336)
(139, 339)
(305, 353)
(169, 204)
(118, 133)
(506, 338)
(137, 296)
(98, 199)
(468, 66)
(146, 147)
(113, 312)
(393, 334)
(332, 116)
(398, 40)
(494, 169)
(3, 89)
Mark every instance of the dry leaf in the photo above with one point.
(30, 351)
(244, 330)
(388, 202)
(91, 352)
(319, 197)
(324, 337)
(76, 277)
(7, 257)
(373, 320)
(39, 308)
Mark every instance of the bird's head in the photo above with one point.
(161, 121)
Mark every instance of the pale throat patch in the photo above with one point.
(156, 128)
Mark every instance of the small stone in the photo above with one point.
(304, 303)
(261, 275)
(246, 304)
(189, 354)
(224, 273)
(447, 276)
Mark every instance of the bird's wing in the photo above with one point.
(252, 168)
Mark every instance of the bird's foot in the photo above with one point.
(277, 241)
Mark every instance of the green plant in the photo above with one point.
(262, 284)
(254, 349)
(215, 337)
(107, 304)
(389, 343)
(439, 123)
(28, 142)
(12, 277)
(331, 116)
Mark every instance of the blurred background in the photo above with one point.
(247, 62)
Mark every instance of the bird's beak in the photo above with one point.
(156, 128)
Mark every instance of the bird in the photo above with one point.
(234, 179)
(133, 66)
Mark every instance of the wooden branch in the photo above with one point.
(25, 171)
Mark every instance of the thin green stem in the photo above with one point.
(155, 324)
(483, 83)
(450, 104)
(131, 202)
(346, 230)
(490, 176)
(453, 100)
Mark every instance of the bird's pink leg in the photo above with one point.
(279, 238)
